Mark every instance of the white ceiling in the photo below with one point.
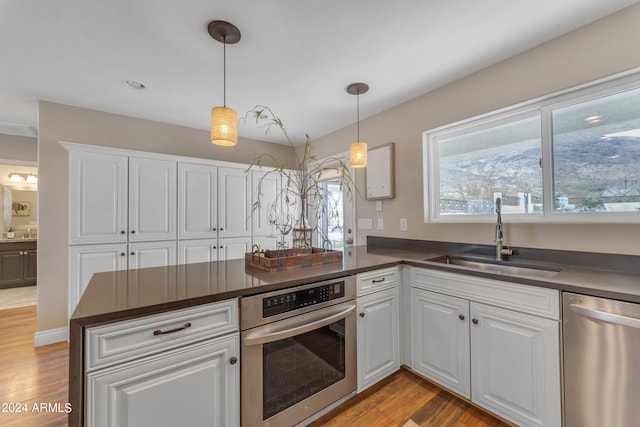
(296, 56)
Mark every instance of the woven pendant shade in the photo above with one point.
(224, 126)
(358, 155)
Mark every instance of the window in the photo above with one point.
(569, 157)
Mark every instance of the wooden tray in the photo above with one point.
(285, 260)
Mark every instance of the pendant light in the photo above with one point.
(358, 149)
(224, 120)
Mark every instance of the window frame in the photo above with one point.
(543, 107)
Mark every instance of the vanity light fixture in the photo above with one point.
(23, 177)
(224, 120)
(358, 149)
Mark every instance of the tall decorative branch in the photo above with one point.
(301, 182)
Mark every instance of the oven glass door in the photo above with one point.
(296, 368)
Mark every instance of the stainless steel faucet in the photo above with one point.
(502, 250)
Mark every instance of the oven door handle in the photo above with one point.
(267, 333)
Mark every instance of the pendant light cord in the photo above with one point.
(358, 113)
(224, 70)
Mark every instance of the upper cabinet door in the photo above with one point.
(152, 199)
(266, 190)
(98, 198)
(234, 203)
(197, 201)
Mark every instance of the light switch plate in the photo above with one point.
(380, 224)
(378, 205)
(365, 223)
(403, 224)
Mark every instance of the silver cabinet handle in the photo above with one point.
(616, 319)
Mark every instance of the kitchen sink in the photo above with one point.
(495, 267)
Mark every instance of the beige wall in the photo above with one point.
(20, 148)
(604, 48)
(71, 124)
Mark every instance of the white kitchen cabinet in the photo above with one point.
(115, 198)
(85, 260)
(514, 366)
(378, 336)
(152, 254)
(197, 250)
(197, 201)
(98, 198)
(378, 328)
(494, 342)
(196, 385)
(266, 242)
(440, 339)
(152, 199)
(233, 248)
(234, 202)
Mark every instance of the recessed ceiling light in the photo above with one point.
(133, 84)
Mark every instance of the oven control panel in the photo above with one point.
(283, 303)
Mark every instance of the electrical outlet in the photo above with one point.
(378, 205)
(365, 223)
(403, 224)
(380, 224)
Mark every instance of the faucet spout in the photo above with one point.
(502, 250)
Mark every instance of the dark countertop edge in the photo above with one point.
(116, 316)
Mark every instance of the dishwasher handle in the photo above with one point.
(616, 319)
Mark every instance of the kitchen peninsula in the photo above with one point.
(144, 293)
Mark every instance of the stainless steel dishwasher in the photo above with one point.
(601, 362)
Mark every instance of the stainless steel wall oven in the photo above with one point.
(298, 351)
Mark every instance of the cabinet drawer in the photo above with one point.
(373, 281)
(130, 339)
(524, 298)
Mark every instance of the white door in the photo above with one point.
(98, 198)
(152, 254)
(265, 191)
(234, 203)
(197, 201)
(440, 339)
(86, 260)
(378, 336)
(515, 365)
(152, 199)
(194, 386)
(233, 248)
(198, 250)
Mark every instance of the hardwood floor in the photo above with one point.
(35, 376)
(31, 378)
(404, 400)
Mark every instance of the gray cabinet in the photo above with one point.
(18, 264)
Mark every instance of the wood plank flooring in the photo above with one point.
(35, 376)
(405, 400)
(31, 375)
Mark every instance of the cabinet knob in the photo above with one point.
(461, 317)
(362, 314)
(221, 229)
(133, 231)
(122, 231)
(214, 229)
(122, 254)
(233, 360)
(215, 247)
(221, 246)
(474, 321)
(133, 253)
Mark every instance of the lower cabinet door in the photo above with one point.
(440, 339)
(196, 386)
(378, 336)
(515, 365)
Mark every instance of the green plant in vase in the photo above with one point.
(302, 189)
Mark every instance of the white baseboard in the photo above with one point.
(50, 336)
